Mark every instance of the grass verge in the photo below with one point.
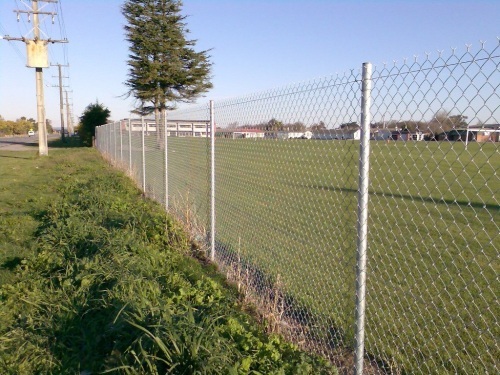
(96, 280)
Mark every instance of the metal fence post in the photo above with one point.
(143, 156)
(129, 145)
(121, 141)
(364, 165)
(114, 142)
(108, 148)
(166, 159)
(212, 181)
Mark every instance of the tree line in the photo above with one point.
(443, 121)
(21, 126)
(277, 125)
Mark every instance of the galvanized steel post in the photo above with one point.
(121, 141)
(212, 181)
(364, 166)
(143, 157)
(114, 142)
(108, 146)
(129, 146)
(166, 159)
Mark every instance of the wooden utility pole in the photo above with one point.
(37, 52)
(61, 100)
(68, 114)
(43, 147)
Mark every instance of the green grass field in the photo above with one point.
(290, 209)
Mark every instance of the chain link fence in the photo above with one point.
(359, 213)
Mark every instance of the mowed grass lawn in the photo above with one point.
(290, 208)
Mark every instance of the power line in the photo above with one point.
(37, 56)
(62, 27)
(14, 46)
(61, 101)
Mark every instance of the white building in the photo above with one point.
(330, 134)
(181, 128)
(294, 135)
(175, 128)
(248, 133)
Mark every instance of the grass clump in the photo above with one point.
(108, 288)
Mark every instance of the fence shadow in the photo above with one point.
(413, 198)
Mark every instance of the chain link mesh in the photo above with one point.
(189, 169)
(432, 300)
(286, 203)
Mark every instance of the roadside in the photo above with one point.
(22, 143)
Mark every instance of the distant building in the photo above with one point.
(182, 128)
(455, 135)
(478, 133)
(294, 135)
(330, 134)
(307, 135)
(406, 135)
(175, 128)
(381, 134)
(248, 133)
(485, 133)
(137, 124)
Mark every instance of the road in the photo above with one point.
(24, 143)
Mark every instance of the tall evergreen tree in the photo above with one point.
(164, 68)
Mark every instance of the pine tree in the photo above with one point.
(164, 68)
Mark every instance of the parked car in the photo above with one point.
(31, 133)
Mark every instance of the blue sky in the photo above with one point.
(257, 45)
